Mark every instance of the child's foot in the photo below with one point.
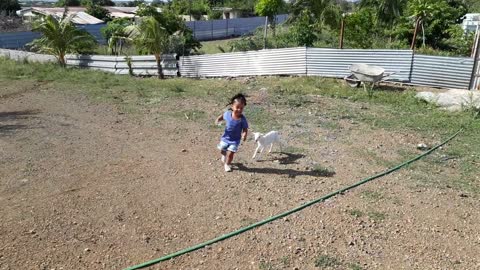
(228, 168)
(223, 159)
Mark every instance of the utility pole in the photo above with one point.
(342, 30)
(265, 33)
(474, 80)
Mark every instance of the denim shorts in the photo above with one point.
(223, 146)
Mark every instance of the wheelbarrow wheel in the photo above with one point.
(352, 81)
(353, 84)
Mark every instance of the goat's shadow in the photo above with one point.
(286, 158)
(289, 158)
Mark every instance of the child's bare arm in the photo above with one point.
(244, 134)
(219, 119)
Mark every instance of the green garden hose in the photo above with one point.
(270, 219)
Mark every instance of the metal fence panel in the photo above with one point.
(289, 61)
(17, 40)
(28, 56)
(335, 62)
(216, 29)
(439, 71)
(140, 65)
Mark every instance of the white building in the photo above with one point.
(470, 22)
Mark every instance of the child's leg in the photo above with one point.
(229, 157)
(224, 153)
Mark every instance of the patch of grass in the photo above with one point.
(285, 260)
(324, 261)
(376, 216)
(354, 266)
(329, 125)
(259, 119)
(189, 115)
(211, 47)
(322, 171)
(355, 212)
(266, 266)
(372, 195)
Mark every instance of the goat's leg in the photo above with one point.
(261, 151)
(271, 146)
(255, 153)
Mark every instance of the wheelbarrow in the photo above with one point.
(365, 74)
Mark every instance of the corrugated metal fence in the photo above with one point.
(335, 62)
(289, 61)
(18, 40)
(217, 29)
(436, 71)
(143, 65)
(439, 71)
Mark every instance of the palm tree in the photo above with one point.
(60, 37)
(151, 38)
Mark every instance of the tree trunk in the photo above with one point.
(61, 60)
(158, 57)
(417, 22)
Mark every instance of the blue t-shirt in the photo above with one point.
(233, 128)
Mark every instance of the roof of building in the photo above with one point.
(80, 16)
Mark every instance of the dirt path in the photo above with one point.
(85, 187)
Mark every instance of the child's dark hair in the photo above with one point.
(238, 98)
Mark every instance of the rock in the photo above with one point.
(422, 146)
(184, 150)
(87, 250)
(452, 100)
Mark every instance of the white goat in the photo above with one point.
(263, 140)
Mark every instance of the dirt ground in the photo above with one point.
(84, 186)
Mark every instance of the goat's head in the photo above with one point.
(257, 135)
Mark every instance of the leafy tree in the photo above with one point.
(196, 8)
(269, 8)
(323, 12)
(433, 18)
(473, 6)
(67, 3)
(60, 37)
(173, 25)
(150, 38)
(115, 35)
(86, 3)
(360, 29)
(387, 11)
(302, 30)
(98, 12)
(459, 42)
(246, 5)
(9, 6)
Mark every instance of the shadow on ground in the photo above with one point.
(14, 116)
(288, 158)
